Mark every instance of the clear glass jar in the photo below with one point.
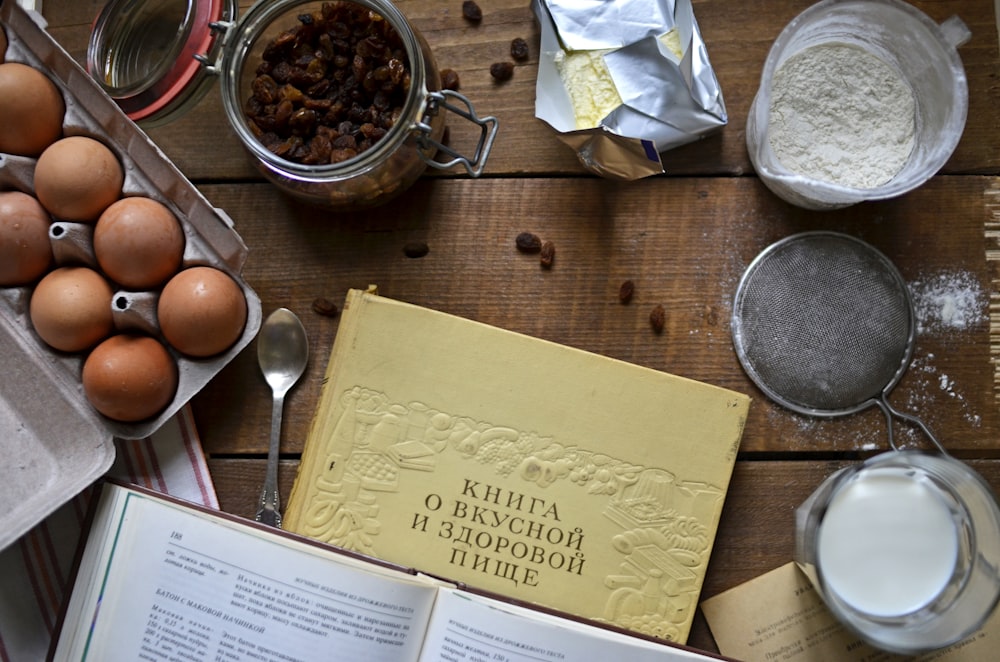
(232, 50)
(148, 54)
(926, 57)
(904, 549)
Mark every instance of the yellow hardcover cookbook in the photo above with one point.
(516, 465)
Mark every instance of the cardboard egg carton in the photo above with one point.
(54, 443)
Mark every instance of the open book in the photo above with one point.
(165, 579)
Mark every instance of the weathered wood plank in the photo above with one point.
(684, 238)
(737, 35)
(684, 241)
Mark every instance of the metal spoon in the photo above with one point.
(282, 352)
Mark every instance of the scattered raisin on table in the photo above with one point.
(519, 49)
(658, 318)
(471, 11)
(625, 291)
(528, 242)
(502, 71)
(325, 307)
(416, 249)
(449, 79)
(548, 254)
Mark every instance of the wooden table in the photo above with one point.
(684, 238)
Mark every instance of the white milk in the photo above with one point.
(888, 544)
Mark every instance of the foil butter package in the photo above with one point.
(54, 443)
(623, 81)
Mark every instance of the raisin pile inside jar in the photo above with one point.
(330, 87)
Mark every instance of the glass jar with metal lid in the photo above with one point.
(156, 58)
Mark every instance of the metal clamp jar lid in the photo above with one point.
(234, 52)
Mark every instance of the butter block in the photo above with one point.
(671, 39)
(589, 84)
(588, 81)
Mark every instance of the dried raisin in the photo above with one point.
(625, 291)
(449, 79)
(519, 49)
(548, 255)
(471, 11)
(528, 242)
(502, 71)
(416, 249)
(658, 318)
(325, 307)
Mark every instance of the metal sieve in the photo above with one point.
(824, 325)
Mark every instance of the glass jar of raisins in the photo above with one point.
(339, 103)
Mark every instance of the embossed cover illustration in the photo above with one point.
(519, 466)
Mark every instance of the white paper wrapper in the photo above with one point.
(667, 99)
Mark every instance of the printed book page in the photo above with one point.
(469, 627)
(164, 581)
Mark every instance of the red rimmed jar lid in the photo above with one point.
(148, 54)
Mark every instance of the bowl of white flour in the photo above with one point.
(858, 100)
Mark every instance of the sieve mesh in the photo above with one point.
(823, 323)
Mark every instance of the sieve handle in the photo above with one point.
(891, 412)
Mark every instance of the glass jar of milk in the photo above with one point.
(904, 549)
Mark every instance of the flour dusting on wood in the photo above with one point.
(951, 301)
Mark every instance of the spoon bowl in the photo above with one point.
(282, 353)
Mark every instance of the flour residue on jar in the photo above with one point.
(840, 114)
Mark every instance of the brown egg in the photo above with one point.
(31, 110)
(77, 178)
(25, 248)
(130, 377)
(201, 311)
(139, 243)
(71, 309)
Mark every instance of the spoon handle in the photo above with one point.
(269, 511)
